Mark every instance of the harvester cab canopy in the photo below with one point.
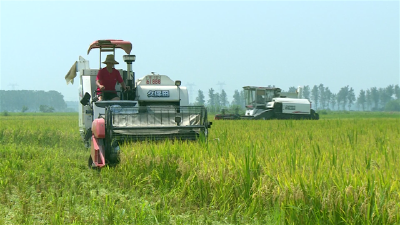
(257, 96)
(109, 45)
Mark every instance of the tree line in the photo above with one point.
(31, 101)
(322, 98)
(372, 99)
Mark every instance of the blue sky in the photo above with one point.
(237, 43)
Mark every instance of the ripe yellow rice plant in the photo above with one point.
(331, 171)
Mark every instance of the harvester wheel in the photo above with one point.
(267, 115)
(112, 152)
(87, 144)
(314, 115)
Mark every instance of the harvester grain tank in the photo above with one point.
(155, 108)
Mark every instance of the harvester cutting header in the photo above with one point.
(153, 108)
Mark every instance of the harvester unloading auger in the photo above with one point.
(155, 108)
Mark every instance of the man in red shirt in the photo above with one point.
(107, 79)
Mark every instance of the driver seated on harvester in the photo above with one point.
(107, 79)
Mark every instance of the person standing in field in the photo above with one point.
(107, 78)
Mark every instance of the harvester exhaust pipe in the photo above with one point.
(129, 59)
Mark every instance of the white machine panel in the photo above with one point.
(153, 93)
(97, 111)
(155, 79)
(294, 106)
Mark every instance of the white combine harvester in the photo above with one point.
(156, 108)
(269, 103)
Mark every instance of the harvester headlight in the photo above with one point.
(178, 83)
(86, 99)
(178, 120)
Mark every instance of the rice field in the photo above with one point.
(341, 169)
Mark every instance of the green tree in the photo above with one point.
(217, 102)
(368, 99)
(321, 94)
(292, 89)
(342, 96)
(393, 105)
(338, 99)
(390, 91)
(211, 100)
(200, 98)
(375, 97)
(385, 95)
(24, 109)
(56, 100)
(327, 97)
(397, 91)
(306, 92)
(351, 97)
(242, 99)
(236, 98)
(361, 100)
(223, 98)
(333, 100)
(15, 100)
(46, 109)
(315, 96)
(211, 97)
